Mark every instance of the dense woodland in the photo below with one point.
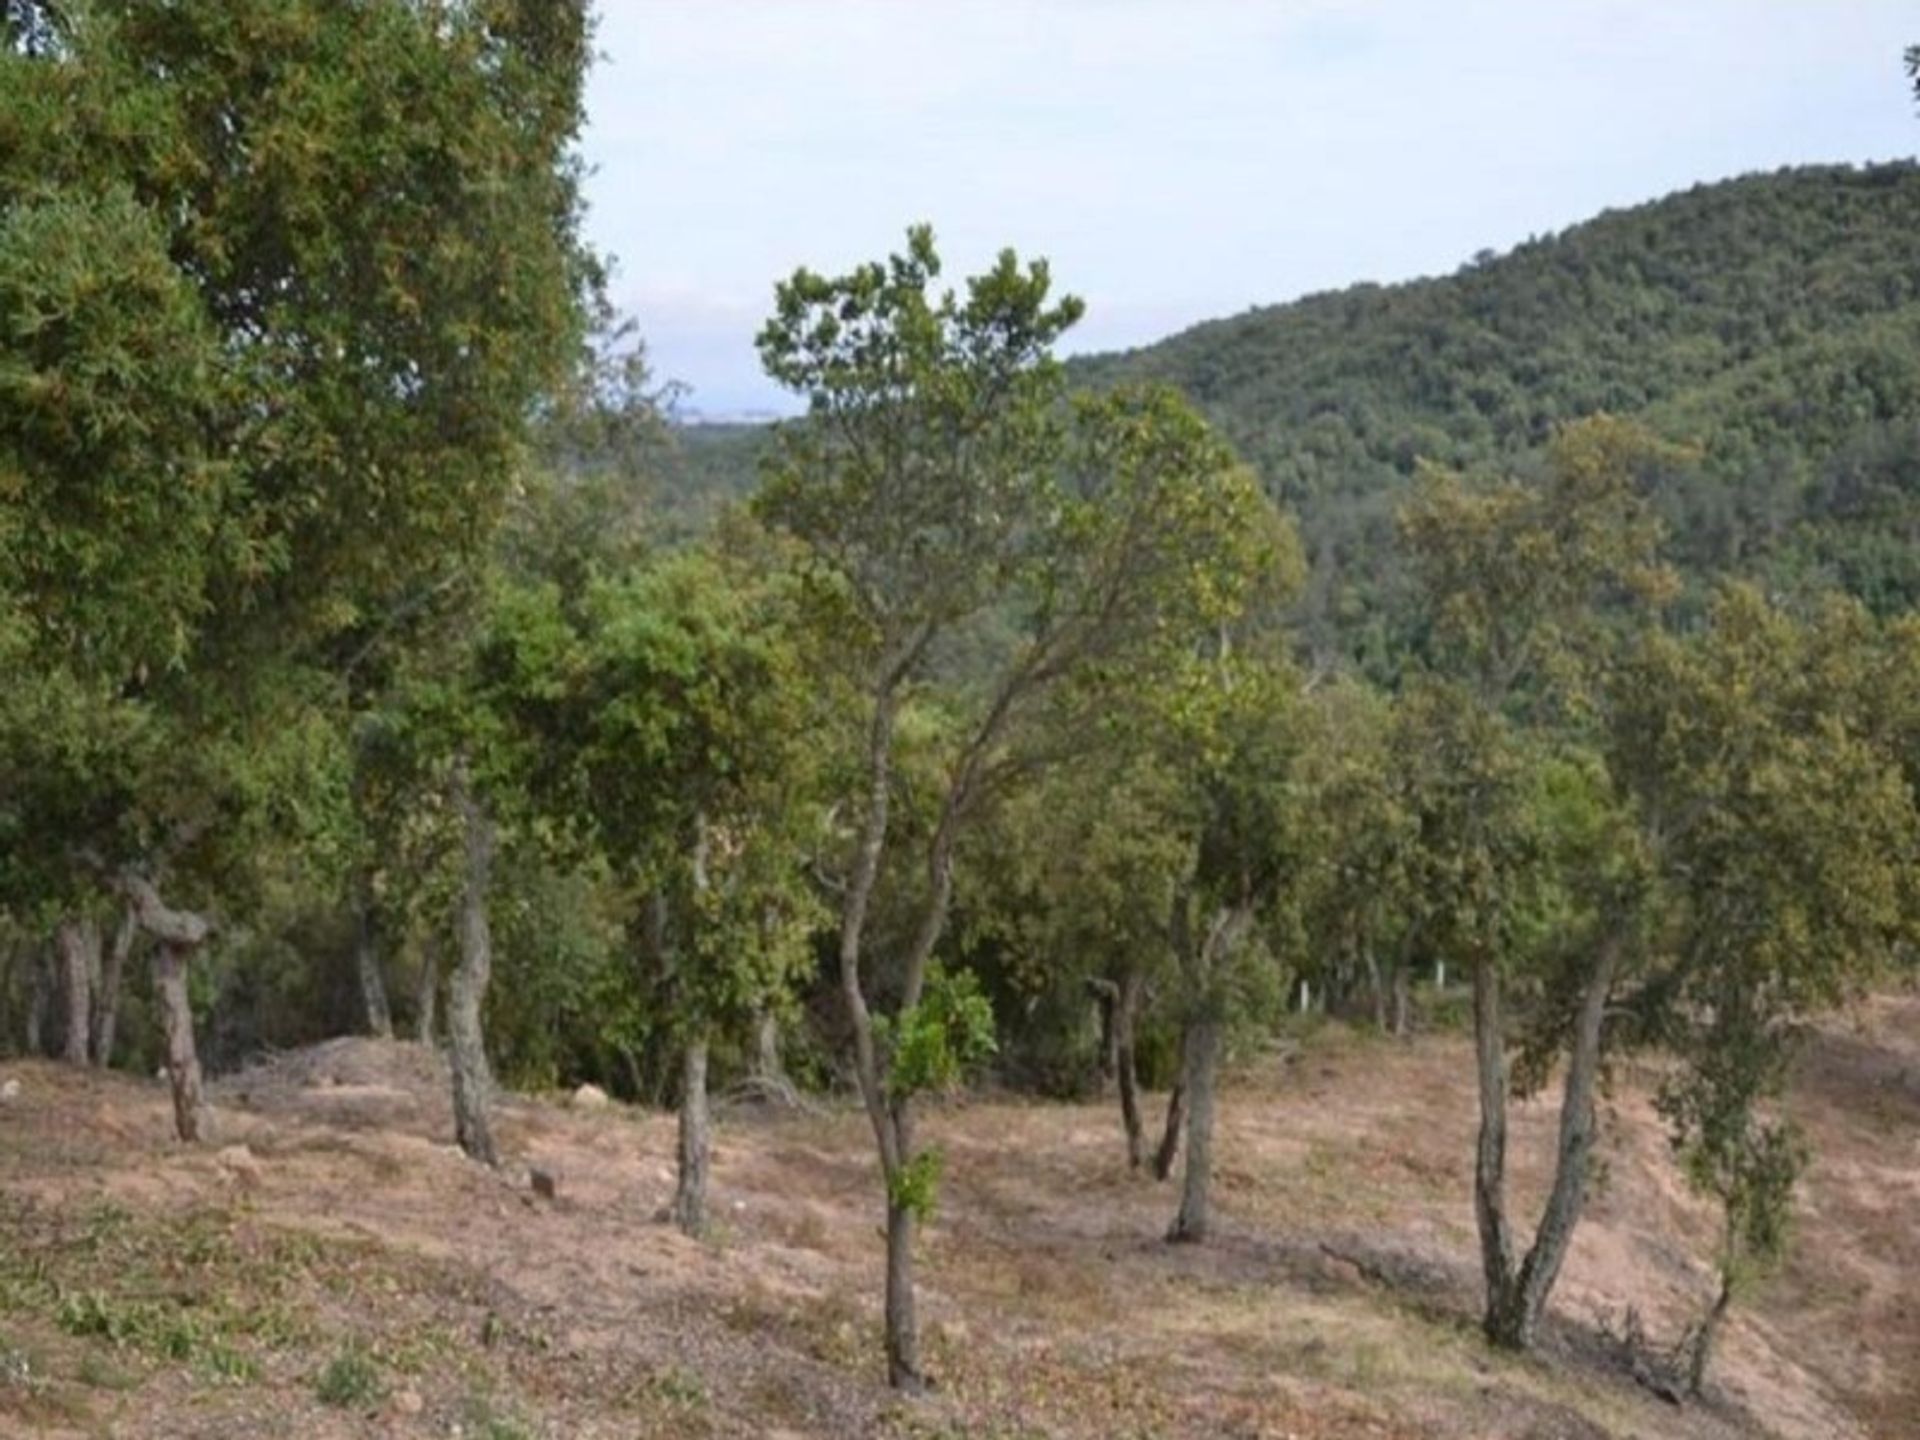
(381, 658)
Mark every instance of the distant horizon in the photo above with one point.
(1194, 162)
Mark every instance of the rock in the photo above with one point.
(545, 1183)
(590, 1097)
(240, 1166)
(9, 1092)
(408, 1402)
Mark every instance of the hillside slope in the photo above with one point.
(350, 1274)
(1771, 320)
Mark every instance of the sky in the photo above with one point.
(1178, 160)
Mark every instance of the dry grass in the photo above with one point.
(144, 1295)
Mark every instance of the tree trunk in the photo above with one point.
(690, 1191)
(1203, 1060)
(1700, 1351)
(39, 992)
(427, 996)
(1126, 1020)
(1515, 1306)
(1376, 988)
(767, 1066)
(1106, 999)
(1490, 1152)
(467, 993)
(366, 959)
(106, 1000)
(903, 1329)
(1402, 1001)
(179, 935)
(1176, 1122)
(79, 944)
(192, 1119)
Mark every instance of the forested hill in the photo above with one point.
(1773, 320)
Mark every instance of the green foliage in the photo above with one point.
(933, 1043)
(350, 1380)
(1770, 322)
(915, 1186)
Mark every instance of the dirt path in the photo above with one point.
(155, 1292)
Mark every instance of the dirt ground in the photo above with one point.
(350, 1274)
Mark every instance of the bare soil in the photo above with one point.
(351, 1274)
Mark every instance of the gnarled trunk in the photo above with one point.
(106, 999)
(1192, 1221)
(78, 941)
(467, 992)
(178, 934)
(192, 1118)
(690, 1191)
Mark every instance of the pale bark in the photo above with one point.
(1376, 987)
(78, 941)
(1193, 1219)
(366, 961)
(1201, 1062)
(192, 1117)
(178, 934)
(1490, 1149)
(695, 1144)
(106, 1000)
(903, 1328)
(467, 992)
(769, 1071)
(1517, 1300)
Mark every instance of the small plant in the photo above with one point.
(678, 1387)
(351, 1380)
(489, 1423)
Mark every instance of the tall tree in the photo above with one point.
(324, 262)
(1519, 581)
(938, 479)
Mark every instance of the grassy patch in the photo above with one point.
(351, 1380)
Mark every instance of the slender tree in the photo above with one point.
(939, 477)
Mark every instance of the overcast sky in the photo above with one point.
(1180, 159)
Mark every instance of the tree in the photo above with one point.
(939, 479)
(1781, 837)
(1235, 739)
(1517, 581)
(692, 779)
(325, 262)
